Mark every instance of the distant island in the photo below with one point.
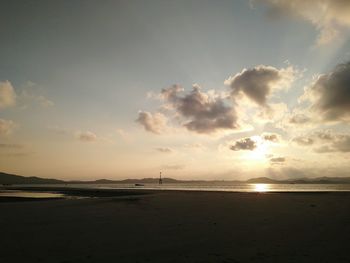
(7, 179)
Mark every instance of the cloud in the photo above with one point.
(6, 126)
(299, 118)
(326, 141)
(244, 144)
(274, 111)
(303, 141)
(330, 95)
(9, 98)
(7, 95)
(260, 82)
(273, 137)
(251, 143)
(164, 150)
(29, 97)
(212, 111)
(203, 112)
(126, 136)
(278, 160)
(155, 123)
(86, 136)
(329, 17)
(338, 143)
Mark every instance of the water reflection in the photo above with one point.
(261, 188)
(29, 194)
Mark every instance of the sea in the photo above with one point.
(216, 187)
(231, 187)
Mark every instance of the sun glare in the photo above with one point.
(261, 187)
(260, 152)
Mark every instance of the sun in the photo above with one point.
(260, 152)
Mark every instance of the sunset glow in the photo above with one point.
(261, 187)
(223, 91)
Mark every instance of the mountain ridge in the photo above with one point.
(6, 178)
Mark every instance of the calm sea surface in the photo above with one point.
(236, 187)
(218, 186)
(222, 186)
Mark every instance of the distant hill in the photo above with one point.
(262, 180)
(6, 178)
(17, 179)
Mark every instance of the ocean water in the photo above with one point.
(219, 186)
(226, 187)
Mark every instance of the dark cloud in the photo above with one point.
(330, 94)
(258, 83)
(155, 123)
(270, 137)
(204, 113)
(244, 144)
(164, 150)
(278, 160)
(209, 112)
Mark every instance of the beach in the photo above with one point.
(176, 226)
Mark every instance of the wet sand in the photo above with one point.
(175, 226)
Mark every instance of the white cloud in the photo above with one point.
(155, 123)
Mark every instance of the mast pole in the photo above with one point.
(160, 178)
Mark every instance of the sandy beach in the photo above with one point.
(175, 226)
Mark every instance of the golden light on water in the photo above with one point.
(261, 188)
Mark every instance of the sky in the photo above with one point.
(215, 90)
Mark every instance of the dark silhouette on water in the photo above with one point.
(160, 178)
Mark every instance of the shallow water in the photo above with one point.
(28, 194)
